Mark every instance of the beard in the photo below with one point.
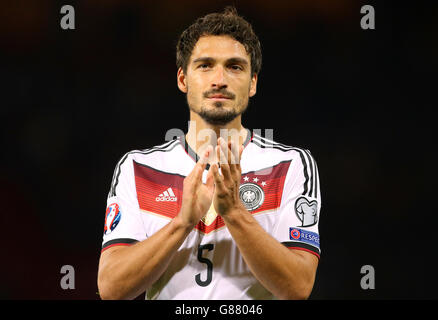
(218, 115)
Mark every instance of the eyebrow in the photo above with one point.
(230, 60)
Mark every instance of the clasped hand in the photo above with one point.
(221, 187)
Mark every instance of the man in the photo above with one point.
(220, 213)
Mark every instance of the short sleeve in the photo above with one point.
(123, 223)
(297, 227)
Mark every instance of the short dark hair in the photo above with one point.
(215, 24)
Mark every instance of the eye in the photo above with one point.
(204, 66)
(236, 67)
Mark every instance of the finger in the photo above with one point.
(200, 166)
(233, 149)
(225, 167)
(222, 158)
(210, 180)
(206, 155)
(209, 156)
(233, 159)
(225, 148)
(240, 157)
(218, 179)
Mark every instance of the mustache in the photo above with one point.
(223, 92)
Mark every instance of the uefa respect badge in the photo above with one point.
(297, 234)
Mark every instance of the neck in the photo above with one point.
(202, 134)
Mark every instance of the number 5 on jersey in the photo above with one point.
(206, 282)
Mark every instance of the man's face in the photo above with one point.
(218, 81)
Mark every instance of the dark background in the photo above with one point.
(74, 101)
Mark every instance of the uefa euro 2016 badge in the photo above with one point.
(306, 211)
(112, 218)
(251, 195)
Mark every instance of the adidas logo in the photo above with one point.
(167, 195)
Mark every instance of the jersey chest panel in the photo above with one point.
(160, 193)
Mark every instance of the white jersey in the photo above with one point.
(279, 187)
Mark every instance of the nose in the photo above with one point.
(219, 80)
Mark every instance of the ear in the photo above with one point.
(181, 80)
(253, 85)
